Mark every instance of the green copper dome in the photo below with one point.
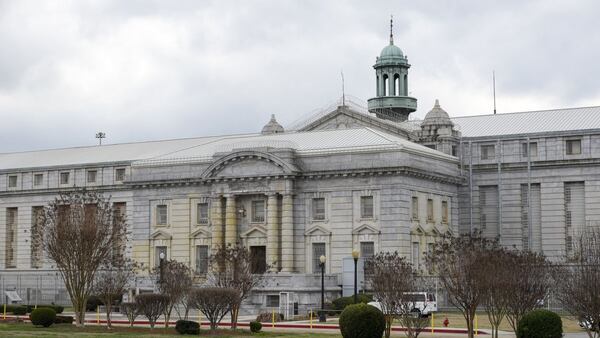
(391, 51)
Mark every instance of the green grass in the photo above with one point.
(62, 330)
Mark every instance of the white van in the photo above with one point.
(424, 303)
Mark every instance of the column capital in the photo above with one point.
(271, 193)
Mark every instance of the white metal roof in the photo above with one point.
(530, 122)
(203, 148)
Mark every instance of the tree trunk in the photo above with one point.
(388, 325)
(79, 308)
(235, 310)
(167, 317)
(108, 311)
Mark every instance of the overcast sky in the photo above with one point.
(147, 70)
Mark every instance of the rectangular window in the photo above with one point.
(38, 179)
(574, 212)
(12, 181)
(531, 223)
(488, 151)
(272, 300)
(454, 151)
(429, 210)
(445, 212)
(318, 209)
(120, 174)
(318, 250)
(202, 213)
(415, 208)
(36, 236)
(120, 216)
(532, 149)
(157, 251)
(488, 209)
(367, 251)
(366, 206)
(415, 255)
(162, 216)
(91, 176)
(201, 259)
(258, 257)
(258, 211)
(64, 178)
(11, 238)
(573, 147)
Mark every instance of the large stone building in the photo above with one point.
(346, 179)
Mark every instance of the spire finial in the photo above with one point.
(391, 29)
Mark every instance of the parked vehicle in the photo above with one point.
(423, 303)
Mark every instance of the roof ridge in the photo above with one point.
(526, 112)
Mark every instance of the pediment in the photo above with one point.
(256, 231)
(365, 229)
(161, 234)
(317, 230)
(417, 229)
(201, 233)
(249, 163)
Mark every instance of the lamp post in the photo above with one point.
(355, 255)
(161, 258)
(322, 314)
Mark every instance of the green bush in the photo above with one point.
(342, 302)
(57, 308)
(64, 320)
(540, 324)
(255, 326)
(92, 303)
(42, 316)
(361, 321)
(19, 310)
(187, 327)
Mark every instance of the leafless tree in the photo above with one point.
(214, 303)
(458, 263)
(529, 283)
(112, 282)
(497, 288)
(174, 280)
(78, 235)
(392, 279)
(130, 310)
(231, 267)
(577, 282)
(151, 306)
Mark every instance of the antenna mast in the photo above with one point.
(343, 90)
(391, 29)
(494, 88)
(100, 135)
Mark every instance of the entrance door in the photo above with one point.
(259, 259)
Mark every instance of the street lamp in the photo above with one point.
(355, 255)
(161, 258)
(322, 314)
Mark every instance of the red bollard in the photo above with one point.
(446, 322)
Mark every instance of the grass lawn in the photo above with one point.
(62, 330)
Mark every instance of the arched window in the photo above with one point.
(386, 85)
(396, 85)
(405, 85)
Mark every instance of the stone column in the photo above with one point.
(230, 221)
(392, 85)
(273, 232)
(287, 233)
(216, 219)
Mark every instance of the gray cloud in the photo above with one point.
(143, 70)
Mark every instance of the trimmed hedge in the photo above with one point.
(255, 326)
(342, 302)
(187, 327)
(64, 320)
(92, 303)
(540, 324)
(361, 321)
(42, 316)
(19, 310)
(57, 308)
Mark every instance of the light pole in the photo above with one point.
(161, 258)
(322, 314)
(355, 255)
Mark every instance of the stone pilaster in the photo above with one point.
(287, 233)
(273, 232)
(230, 221)
(216, 220)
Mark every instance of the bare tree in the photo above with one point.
(232, 268)
(151, 305)
(392, 279)
(529, 283)
(578, 282)
(174, 280)
(112, 282)
(214, 303)
(497, 288)
(458, 261)
(130, 310)
(78, 235)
